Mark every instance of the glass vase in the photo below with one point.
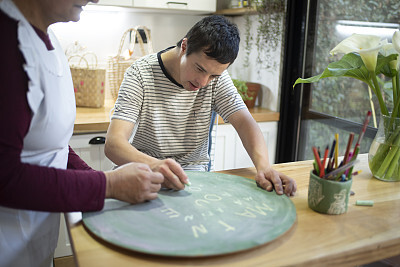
(384, 153)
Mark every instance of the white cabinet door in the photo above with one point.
(188, 5)
(125, 3)
(92, 154)
(229, 150)
(225, 147)
(203, 5)
(63, 245)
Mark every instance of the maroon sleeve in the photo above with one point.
(75, 162)
(26, 186)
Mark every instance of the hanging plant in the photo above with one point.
(248, 40)
(269, 31)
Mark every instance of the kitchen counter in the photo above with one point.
(92, 120)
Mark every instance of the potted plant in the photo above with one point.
(248, 91)
(373, 61)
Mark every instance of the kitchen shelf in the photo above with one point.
(236, 11)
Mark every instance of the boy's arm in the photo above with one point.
(253, 141)
(120, 151)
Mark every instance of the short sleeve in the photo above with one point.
(130, 96)
(227, 99)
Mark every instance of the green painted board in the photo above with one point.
(217, 214)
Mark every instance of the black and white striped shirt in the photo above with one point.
(171, 121)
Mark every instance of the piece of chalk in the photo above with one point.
(188, 183)
(364, 202)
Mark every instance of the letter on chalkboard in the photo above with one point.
(246, 213)
(237, 202)
(170, 212)
(188, 217)
(228, 227)
(200, 228)
(212, 197)
(200, 200)
(259, 209)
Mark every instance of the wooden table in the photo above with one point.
(362, 235)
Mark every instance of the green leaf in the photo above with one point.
(383, 66)
(350, 65)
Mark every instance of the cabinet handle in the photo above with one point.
(176, 3)
(98, 140)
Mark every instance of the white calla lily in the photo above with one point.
(367, 46)
(385, 163)
(396, 41)
(389, 49)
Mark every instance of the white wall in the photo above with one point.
(100, 30)
(268, 78)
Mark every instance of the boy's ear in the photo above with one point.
(184, 45)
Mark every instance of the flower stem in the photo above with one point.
(396, 104)
(379, 94)
(394, 163)
(382, 152)
(389, 163)
(395, 96)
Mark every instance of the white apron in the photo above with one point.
(29, 238)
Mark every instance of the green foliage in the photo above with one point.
(345, 98)
(351, 65)
(269, 32)
(242, 89)
(342, 97)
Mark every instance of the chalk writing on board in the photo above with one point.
(208, 207)
(171, 213)
(199, 228)
(231, 214)
(228, 227)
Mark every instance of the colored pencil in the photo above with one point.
(349, 142)
(318, 160)
(364, 128)
(336, 150)
(330, 162)
(333, 174)
(325, 157)
(357, 150)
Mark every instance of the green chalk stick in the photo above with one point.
(365, 203)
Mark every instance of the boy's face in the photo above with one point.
(197, 69)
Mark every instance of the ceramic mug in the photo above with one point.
(328, 196)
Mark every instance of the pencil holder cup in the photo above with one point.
(328, 196)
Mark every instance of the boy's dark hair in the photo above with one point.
(216, 36)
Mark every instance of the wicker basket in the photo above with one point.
(88, 81)
(118, 64)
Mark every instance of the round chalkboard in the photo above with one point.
(217, 214)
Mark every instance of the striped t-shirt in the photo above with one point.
(170, 121)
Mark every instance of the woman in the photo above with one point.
(40, 174)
